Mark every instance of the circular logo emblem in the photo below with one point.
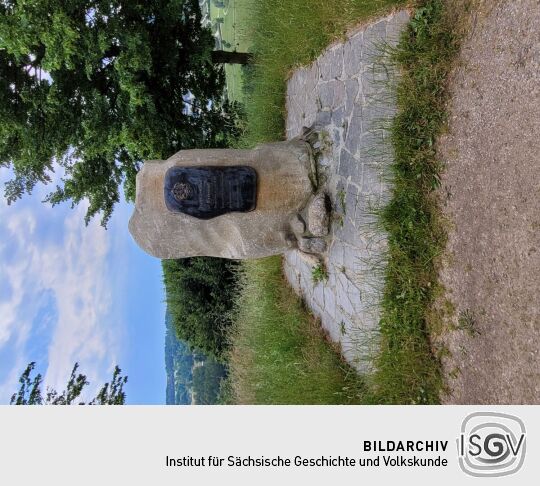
(182, 191)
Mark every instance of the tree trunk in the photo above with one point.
(226, 57)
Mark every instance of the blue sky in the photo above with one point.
(74, 293)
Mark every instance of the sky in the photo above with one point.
(74, 293)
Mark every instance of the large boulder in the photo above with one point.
(284, 179)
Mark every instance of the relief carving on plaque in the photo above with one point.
(208, 192)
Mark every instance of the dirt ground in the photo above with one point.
(491, 196)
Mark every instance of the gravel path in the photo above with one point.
(491, 193)
(348, 91)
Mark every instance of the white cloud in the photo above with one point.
(77, 273)
(44, 251)
(15, 228)
(10, 384)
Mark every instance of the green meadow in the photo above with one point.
(234, 32)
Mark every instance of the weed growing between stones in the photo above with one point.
(319, 273)
(341, 198)
(467, 323)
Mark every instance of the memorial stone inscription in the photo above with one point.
(208, 192)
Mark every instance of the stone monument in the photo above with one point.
(231, 203)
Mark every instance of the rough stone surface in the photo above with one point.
(349, 91)
(298, 225)
(283, 190)
(318, 217)
(491, 194)
(312, 245)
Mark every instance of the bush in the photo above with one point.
(207, 379)
(199, 294)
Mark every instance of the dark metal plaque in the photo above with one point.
(207, 192)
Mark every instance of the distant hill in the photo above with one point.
(192, 377)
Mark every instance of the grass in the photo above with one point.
(319, 273)
(341, 198)
(467, 322)
(280, 354)
(287, 34)
(235, 37)
(406, 369)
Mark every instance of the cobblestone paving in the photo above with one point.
(349, 91)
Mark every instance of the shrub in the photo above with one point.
(199, 293)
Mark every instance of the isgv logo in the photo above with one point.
(491, 444)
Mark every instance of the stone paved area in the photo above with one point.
(349, 91)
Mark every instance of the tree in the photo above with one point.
(231, 57)
(30, 390)
(207, 381)
(200, 297)
(98, 86)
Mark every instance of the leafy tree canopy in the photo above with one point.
(200, 298)
(100, 85)
(30, 392)
(207, 382)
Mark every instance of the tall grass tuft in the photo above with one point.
(406, 368)
(287, 34)
(279, 353)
